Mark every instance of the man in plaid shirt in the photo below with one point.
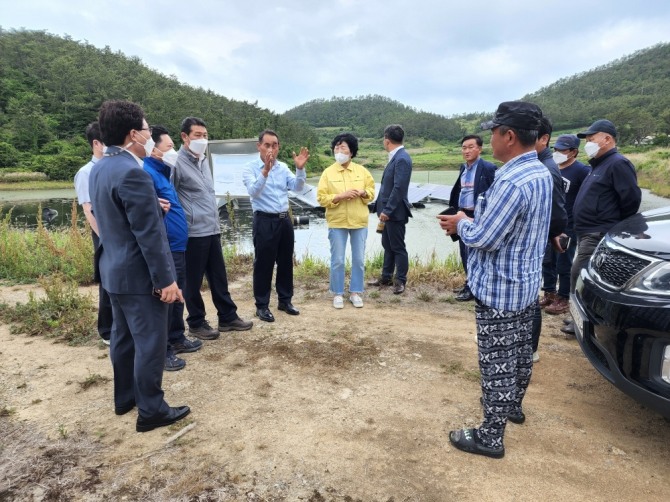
(506, 241)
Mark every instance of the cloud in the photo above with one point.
(443, 57)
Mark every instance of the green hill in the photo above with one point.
(633, 92)
(367, 116)
(51, 87)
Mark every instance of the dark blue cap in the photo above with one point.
(567, 142)
(518, 114)
(601, 125)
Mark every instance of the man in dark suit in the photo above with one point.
(393, 209)
(135, 265)
(475, 177)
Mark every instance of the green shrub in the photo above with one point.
(63, 313)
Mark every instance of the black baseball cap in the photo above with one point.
(518, 114)
(567, 142)
(602, 125)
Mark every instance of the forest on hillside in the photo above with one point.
(367, 116)
(633, 92)
(51, 87)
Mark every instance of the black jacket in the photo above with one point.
(608, 195)
(559, 216)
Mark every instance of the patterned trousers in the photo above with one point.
(505, 364)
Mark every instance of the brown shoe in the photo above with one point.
(548, 299)
(560, 306)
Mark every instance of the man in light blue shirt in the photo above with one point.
(268, 182)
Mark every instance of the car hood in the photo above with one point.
(647, 233)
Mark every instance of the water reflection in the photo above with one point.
(423, 237)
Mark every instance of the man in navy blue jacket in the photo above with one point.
(134, 264)
(609, 194)
(475, 177)
(394, 210)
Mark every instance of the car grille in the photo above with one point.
(614, 266)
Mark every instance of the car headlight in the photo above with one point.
(665, 366)
(656, 280)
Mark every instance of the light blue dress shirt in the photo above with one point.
(270, 195)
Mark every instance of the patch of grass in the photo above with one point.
(374, 294)
(452, 368)
(62, 431)
(424, 296)
(39, 184)
(7, 412)
(63, 313)
(237, 264)
(472, 375)
(26, 255)
(92, 380)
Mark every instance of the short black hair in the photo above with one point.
(394, 133)
(349, 139)
(267, 131)
(478, 139)
(546, 127)
(189, 122)
(117, 118)
(527, 137)
(93, 132)
(156, 132)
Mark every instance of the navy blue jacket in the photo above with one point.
(486, 172)
(134, 256)
(608, 195)
(392, 199)
(559, 216)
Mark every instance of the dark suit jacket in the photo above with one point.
(486, 172)
(134, 256)
(392, 199)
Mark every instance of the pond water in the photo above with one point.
(424, 236)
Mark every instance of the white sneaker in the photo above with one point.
(536, 357)
(338, 302)
(356, 300)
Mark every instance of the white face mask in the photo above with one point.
(560, 157)
(149, 145)
(341, 158)
(170, 157)
(591, 149)
(198, 146)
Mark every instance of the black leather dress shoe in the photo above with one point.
(172, 416)
(380, 282)
(465, 295)
(122, 410)
(288, 308)
(398, 288)
(264, 314)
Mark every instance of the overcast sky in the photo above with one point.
(435, 55)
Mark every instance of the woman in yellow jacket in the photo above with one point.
(345, 189)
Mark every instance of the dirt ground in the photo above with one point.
(331, 405)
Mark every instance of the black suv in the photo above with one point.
(621, 308)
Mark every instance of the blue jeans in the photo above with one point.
(338, 243)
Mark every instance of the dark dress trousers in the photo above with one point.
(133, 259)
(393, 202)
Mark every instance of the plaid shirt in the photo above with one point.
(508, 236)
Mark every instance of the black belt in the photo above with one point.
(281, 215)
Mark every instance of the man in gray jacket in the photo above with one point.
(195, 188)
